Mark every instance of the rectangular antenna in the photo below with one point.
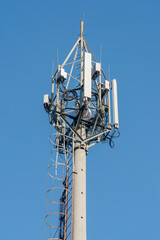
(87, 74)
(115, 104)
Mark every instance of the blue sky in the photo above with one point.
(123, 184)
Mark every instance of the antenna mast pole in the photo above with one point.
(79, 193)
(80, 112)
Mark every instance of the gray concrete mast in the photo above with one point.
(79, 194)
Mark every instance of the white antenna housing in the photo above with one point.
(115, 104)
(96, 70)
(87, 74)
(46, 102)
(106, 85)
(46, 99)
(61, 75)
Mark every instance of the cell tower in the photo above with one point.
(80, 111)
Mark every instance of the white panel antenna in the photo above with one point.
(87, 74)
(115, 104)
(61, 75)
(96, 70)
(46, 99)
(46, 102)
(106, 85)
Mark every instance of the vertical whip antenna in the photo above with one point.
(100, 53)
(52, 67)
(57, 57)
(109, 72)
(83, 16)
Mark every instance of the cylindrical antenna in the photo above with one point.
(52, 91)
(115, 104)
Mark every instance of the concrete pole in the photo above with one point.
(79, 185)
(79, 191)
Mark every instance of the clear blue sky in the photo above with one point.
(123, 184)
